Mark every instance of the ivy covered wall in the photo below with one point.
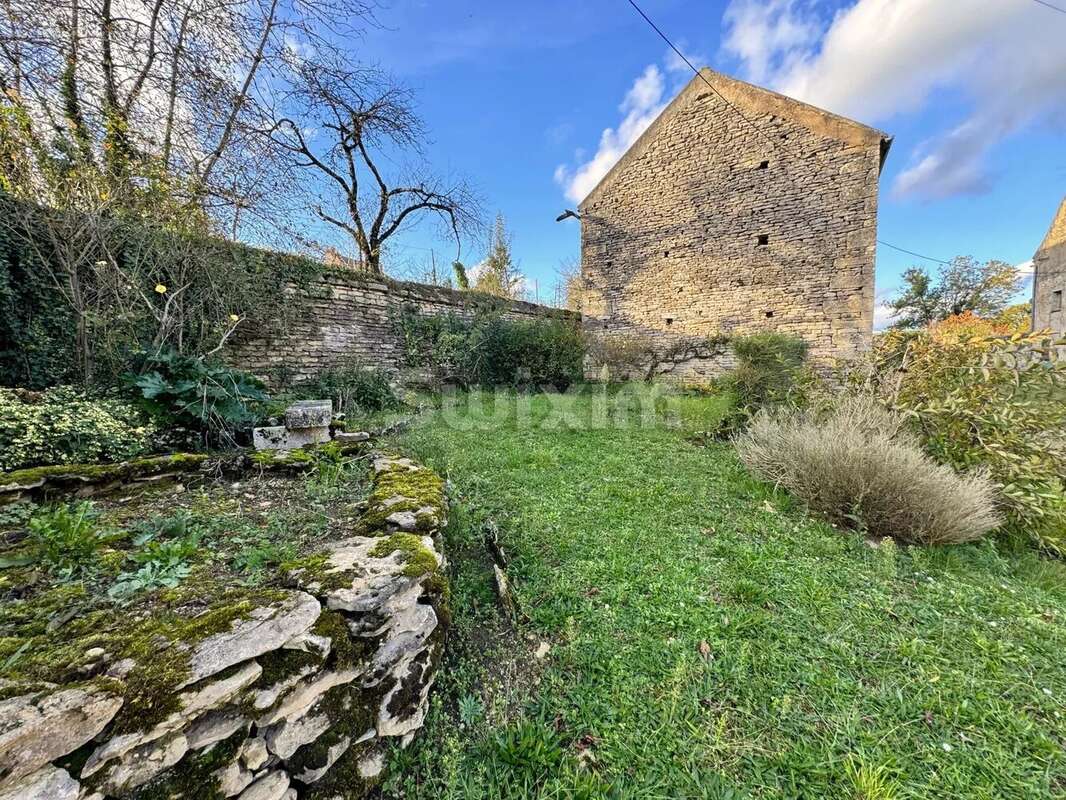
(79, 296)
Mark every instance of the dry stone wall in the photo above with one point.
(353, 316)
(712, 226)
(293, 698)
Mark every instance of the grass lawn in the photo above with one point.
(710, 639)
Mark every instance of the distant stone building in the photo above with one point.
(1049, 276)
(332, 257)
(729, 219)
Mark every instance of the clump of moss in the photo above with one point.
(193, 777)
(418, 559)
(315, 569)
(422, 484)
(281, 664)
(347, 651)
(416, 489)
(100, 473)
(268, 459)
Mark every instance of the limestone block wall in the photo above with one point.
(707, 226)
(1049, 280)
(352, 316)
(282, 694)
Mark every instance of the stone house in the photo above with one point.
(1049, 276)
(332, 257)
(738, 210)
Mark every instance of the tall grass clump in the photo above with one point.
(860, 467)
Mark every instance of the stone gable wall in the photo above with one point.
(672, 247)
(353, 316)
(1049, 310)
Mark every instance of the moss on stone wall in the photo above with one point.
(418, 560)
(75, 474)
(38, 649)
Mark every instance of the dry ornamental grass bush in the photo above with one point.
(860, 467)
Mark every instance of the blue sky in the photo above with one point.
(518, 96)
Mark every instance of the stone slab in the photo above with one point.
(278, 437)
(309, 414)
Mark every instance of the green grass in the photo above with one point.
(710, 639)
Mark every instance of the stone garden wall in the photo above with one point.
(354, 316)
(265, 694)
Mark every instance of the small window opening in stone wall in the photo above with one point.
(769, 314)
(666, 253)
(1056, 301)
(764, 165)
(764, 239)
(669, 320)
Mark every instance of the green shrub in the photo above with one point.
(64, 538)
(352, 387)
(532, 352)
(859, 466)
(206, 399)
(979, 399)
(770, 372)
(489, 350)
(66, 426)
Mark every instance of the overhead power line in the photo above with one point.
(1051, 6)
(912, 253)
(699, 74)
(756, 128)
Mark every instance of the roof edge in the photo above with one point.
(1056, 233)
(748, 97)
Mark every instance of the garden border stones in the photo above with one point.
(280, 694)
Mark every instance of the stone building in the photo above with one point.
(759, 213)
(332, 257)
(1049, 276)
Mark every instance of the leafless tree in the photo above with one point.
(569, 285)
(344, 126)
(184, 84)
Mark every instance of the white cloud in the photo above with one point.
(767, 35)
(645, 100)
(642, 104)
(880, 58)
(884, 316)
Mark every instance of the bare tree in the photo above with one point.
(569, 285)
(162, 93)
(344, 125)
